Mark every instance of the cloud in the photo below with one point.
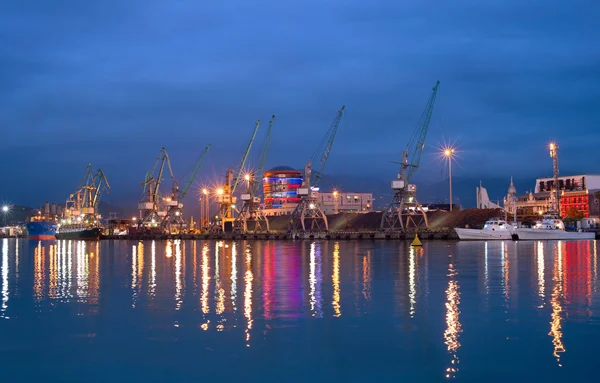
(115, 81)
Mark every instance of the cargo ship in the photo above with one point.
(40, 226)
(41, 230)
(78, 231)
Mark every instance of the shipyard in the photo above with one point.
(252, 201)
(316, 191)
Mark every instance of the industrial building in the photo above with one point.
(280, 188)
(577, 193)
(338, 202)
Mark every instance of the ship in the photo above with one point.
(40, 226)
(41, 230)
(78, 231)
(494, 228)
(551, 227)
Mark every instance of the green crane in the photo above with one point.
(225, 196)
(405, 211)
(308, 207)
(251, 201)
(174, 201)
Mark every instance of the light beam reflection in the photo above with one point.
(233, 294)
(4, 277)
(412, 289)
(555, 302)
(335, 278)
(178, 268)
(540, 271)
(315, 281)
(453, 325)
(152, 284)
(248, 278)
(219, 291)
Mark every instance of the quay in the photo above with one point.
(342, 235)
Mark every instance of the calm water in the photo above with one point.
(299, 311)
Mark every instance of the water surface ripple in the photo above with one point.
(111, 311)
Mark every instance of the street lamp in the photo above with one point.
(5, 210)
(449, 153)
(335, 202)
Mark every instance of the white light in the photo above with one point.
(5, 208)
(312, 206)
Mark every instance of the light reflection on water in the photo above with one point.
(348, 307)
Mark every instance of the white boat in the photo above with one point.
(550, 227)
(494, 228)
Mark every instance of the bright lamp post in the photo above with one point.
(335, 202)
(449, 153)
(5, 210)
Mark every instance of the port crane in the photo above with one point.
(405, 211)
(225, 197)
(251, 210)
(83, 204)
(150, 208)
(309, 207)
(174, 203)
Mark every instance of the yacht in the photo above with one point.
(494, 228)
(550, 227)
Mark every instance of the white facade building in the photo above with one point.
(346, 202)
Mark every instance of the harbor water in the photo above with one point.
(298, 311)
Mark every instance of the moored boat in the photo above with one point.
(551, 227)
(41, 227)
(494, 228)
(78, 231)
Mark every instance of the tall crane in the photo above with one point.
(174, 201)
(405, 211)
(100, 182)
(225, 196)
(309, 207)
(251, 201)
(150, 207)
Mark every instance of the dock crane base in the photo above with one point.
(251, 212)
(308, 209)
(404, 213)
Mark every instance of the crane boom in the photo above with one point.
(244, 159)
(324, 148)
(165, 158)
(260, 169)
(416, 144)
(98, 179)
(192, 177)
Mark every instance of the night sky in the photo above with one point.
(111, 82)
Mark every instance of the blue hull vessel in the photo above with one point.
(41, 230)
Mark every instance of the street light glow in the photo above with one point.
(335, 193)
(5, 208)
(219, 191)
(247, 177)
(204, 191)
(449, 152)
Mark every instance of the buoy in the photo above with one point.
(416, 241)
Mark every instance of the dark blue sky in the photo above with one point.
(111, 82)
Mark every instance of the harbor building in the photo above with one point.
(578, 193)
(280, 188)
(340, 202)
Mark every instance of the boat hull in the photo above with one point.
(482, 235)
(41, 230)
(87, 234)
(537, 234)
